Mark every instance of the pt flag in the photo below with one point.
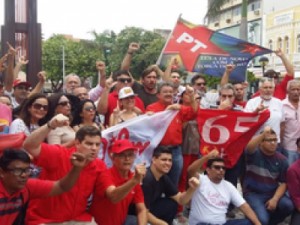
(199, 49)
(228, 131)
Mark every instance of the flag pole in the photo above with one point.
(169, 37)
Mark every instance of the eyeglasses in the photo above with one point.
(126, 155)
(90, 108)
(64, 103)
(125, 80)
(39, 106)
(22, 88)
(274, 140)
(217, 167)
(226, 96)
(200, 84)
(19, 171)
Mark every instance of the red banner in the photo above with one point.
(228, 132)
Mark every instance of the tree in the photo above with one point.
(214, 9)
(80, 58)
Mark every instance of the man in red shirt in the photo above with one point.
(108, 101)
(280, 87)
(173, 135)
(123, 155)
(54, 161)
(16, 189)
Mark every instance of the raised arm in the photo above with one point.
(133, 47)
(287, 64)
(183, 198)
(196, 166)
(103, 101)
(96, 92)
(167, 74)
(39, 86)
(67, 182)
(9, 77)
(32, 143)
(225, 78)
(21, 62)
(256, 140)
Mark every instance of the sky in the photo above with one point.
(79, 17)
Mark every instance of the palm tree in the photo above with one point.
(214, 8)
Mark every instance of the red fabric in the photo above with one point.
(240, 103)
(108, 213)
(112, 104)
(11, 140)
(280, 89)
(55, 163)
(10, 203)
(173, 135)
(228, 131)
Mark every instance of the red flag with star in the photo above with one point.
(199, 49)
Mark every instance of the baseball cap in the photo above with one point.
(122, 145)
(18, 82)
(126, 92)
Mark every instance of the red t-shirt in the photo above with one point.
(280, 89)
(173, 135)
(112, 104)
(55, 163)
(11, 204)
(108, 213)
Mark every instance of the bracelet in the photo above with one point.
(130, 53)
(48, 125)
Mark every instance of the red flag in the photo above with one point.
(200, 49)
(11, 140)
(228, 132)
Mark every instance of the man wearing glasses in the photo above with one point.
(211, 200)
(16, 188)
(110, 211)
(264, 184)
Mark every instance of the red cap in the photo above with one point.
(122, 145)
(19, 82)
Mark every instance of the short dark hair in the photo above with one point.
(11, 154)
(121, 72)
(160, 150)
(196, 77)
(148, 70)
(163, 84)
(212, 160)
(87, 131)
(271, 74)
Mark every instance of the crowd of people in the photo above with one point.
(54, 175)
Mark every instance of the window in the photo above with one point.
(271, 44)
(286, 45)
(279, 43)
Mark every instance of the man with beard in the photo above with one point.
(290, 127)
(267, 101)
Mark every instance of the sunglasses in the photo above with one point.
(64, 103)
(39, 106)
(217, 167)
(90, 109)
(274, 140)
(200, 84)
(125, 80)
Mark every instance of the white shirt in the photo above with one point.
(210, 201)
(276, 113)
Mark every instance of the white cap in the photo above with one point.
(126, 92)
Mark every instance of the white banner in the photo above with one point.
(144, 131)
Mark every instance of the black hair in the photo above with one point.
(11, 154)
(24, 113)
(196, 77)
(77, 119)
(160, 150)
(212, 160)
(87, 131)
(163, 84)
